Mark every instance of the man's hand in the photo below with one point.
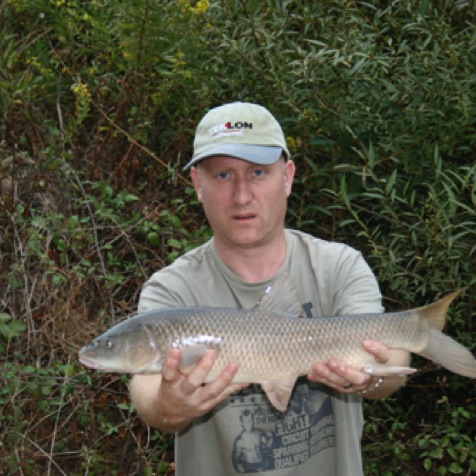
(345, 379)
(169, 402)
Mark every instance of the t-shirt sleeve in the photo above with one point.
(356, 288)
(158, 292)
(343, 283)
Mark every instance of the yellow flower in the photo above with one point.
(294, 144)
(200, 7)
(83, 100)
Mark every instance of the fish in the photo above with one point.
(271, 342)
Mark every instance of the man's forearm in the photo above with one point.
(144, 390)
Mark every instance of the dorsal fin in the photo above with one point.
(280, 297)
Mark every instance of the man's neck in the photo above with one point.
(254, 264)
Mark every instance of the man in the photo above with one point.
(242, 173)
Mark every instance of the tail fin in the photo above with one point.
(450, 354)
(443, 349)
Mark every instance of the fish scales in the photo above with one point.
(272, 343)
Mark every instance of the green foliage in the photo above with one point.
(99, 102)
(9, 329)
(414, 230)
(417, 446)
(60, 405)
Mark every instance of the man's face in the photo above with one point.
(245, 203)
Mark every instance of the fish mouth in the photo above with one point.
(90, 363)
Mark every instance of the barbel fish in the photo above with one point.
(270, 344)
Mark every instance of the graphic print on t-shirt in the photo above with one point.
(270, 440)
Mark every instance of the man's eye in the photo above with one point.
(223, 175)
(258, 173)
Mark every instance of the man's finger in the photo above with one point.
(221, 388)
(199, 374)
(170, 370)
(337, 374)
(222, 382)
(380, 351)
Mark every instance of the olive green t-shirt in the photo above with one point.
(319, 434)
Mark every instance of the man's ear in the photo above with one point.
(289, 170)
(196, 182)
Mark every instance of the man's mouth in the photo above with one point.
(244, 216)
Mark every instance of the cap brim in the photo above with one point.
(256, 154)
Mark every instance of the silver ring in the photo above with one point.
(349, 385)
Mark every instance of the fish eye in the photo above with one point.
(108, 344)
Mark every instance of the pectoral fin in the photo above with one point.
(190, 357)
(279, 391)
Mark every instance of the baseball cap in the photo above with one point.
(243, 130)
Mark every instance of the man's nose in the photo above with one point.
(242, 191)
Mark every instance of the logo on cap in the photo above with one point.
(229, 129)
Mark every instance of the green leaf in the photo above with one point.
(455, 468)
(436, 453)
(162, 467)
(153, 238)
(5, 317)
(174, 243)
(12, 328)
